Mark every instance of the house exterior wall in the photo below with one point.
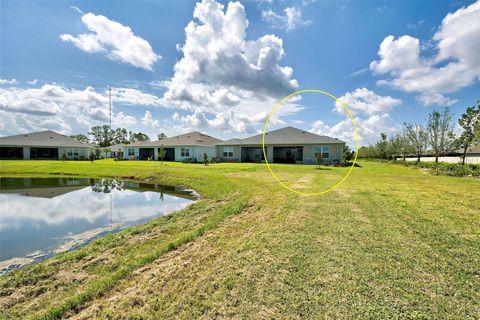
(83, 152)
(178, 153)
(26, 153)
(336, 152)
(210, 151)
(196, 152)
(135, 156)
(237, 154)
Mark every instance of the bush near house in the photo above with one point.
(448, 169)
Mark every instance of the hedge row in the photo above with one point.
(449, 169)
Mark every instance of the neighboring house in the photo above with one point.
(286, 145)
(177, 148)
(43, 145)
(473, 151)
(472, 157)
(116, 151)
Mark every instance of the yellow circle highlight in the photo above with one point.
(357, 142)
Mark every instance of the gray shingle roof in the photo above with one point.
(188, 139)
(284, 136)
(46, 138)
(471, 150)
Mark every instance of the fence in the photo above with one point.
(451, 159)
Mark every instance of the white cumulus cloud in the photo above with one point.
(290, 20)
(67, 110)
(225, 80)
(148, 120)
(455, 65)
(371, 114)
(428, 99)
(368, 102)
(115, 41)
(8, 82)
(369, 128)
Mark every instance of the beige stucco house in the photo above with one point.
(43, 145)
(286, 145)
(177, 148)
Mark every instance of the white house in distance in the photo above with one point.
(285, 145)
(177, 148)
(43, 145)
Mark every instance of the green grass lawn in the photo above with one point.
(391, 243)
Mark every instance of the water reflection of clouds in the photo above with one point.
(127, 206)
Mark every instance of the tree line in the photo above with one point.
(104, 136)
(435, 138)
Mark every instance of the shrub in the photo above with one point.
(449, 169)
(91, 157)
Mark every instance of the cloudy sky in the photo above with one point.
(220, 67)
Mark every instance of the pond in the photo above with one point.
(41, 217)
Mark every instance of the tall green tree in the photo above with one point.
(398, 145)
(138, 137)
(80, 137)
(440, 133)
(382, 146)
(368, 152)
(120, 136)
(348, 154)
(469, 121)
(103, 135)
(417, 138)
(161, 136)
(477, 133)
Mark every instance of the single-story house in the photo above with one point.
(43, 145)
(177, 148)
(286, 145)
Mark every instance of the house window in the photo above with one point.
(131, 152)
(73, 152)
(228, 152)
(185, 152)
(324, 150)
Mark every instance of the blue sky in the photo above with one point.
(390, 62)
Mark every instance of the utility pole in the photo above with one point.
(110, 104)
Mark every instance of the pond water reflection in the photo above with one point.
(40, 217)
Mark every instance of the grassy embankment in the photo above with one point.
(392, 242)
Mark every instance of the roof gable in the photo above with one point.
(194, 138)
(287, 135)
(43, 138)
